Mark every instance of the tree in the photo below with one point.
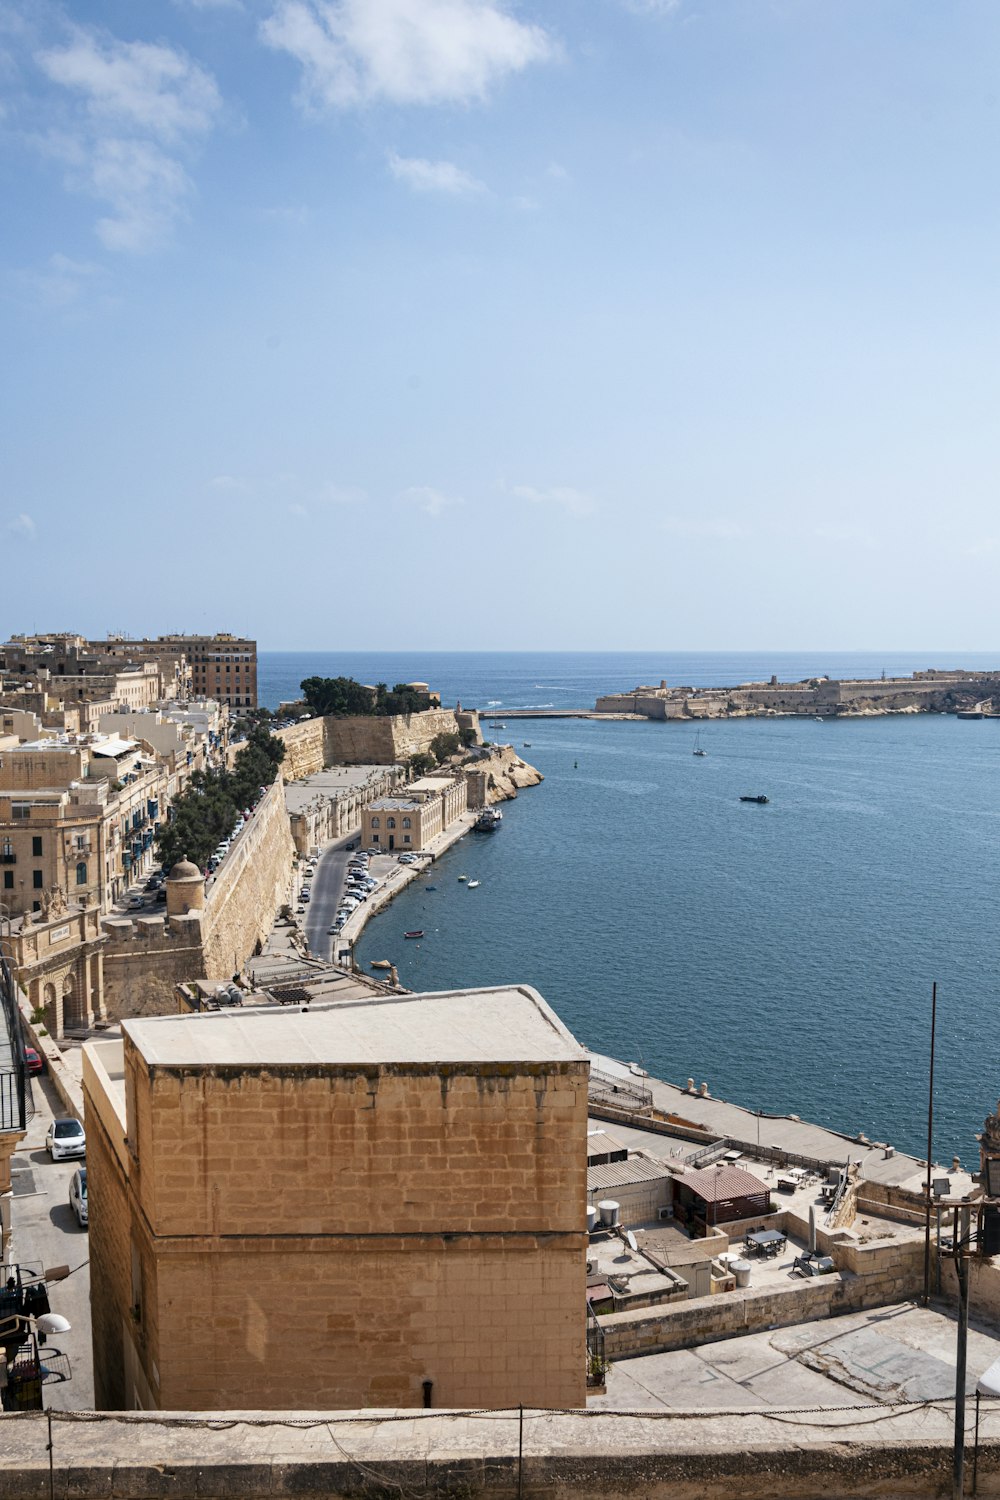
(421, 763)
(467, 735)
(338, 696)
(209, 805)
(443, 745)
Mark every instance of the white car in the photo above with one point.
(65, 1138)
(78, 1196)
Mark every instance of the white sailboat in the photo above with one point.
(697, 745)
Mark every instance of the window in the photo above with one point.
(37, 880)
(375, 822)
(36, 847)
(406, 838)
(20, 810)
(406, 823)
(8, 880)
(81, 872)
(390, 822)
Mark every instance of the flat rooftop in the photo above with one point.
(510, 1024)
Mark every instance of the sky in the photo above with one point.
(443, 324)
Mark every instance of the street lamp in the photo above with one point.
(22, 1372)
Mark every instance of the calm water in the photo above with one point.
(784, 953)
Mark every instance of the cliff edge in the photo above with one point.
(506, 773)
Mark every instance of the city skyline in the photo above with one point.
(670, 319)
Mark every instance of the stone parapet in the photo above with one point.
(579, 1455)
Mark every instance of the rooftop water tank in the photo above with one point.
(608, 1210)
(591, 1218)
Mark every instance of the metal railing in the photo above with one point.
(622, 1093)
(597, 1362)
(15, 1109)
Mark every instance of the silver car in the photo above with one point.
(78, 1196)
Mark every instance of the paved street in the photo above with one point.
(46, 1234)
(326, 886)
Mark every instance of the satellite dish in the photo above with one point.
(630, 1240)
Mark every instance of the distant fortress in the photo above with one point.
(969, 694)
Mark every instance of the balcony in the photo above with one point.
(8, 857)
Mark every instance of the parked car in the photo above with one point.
(78, 1196)
(136, 903)
(65, 1138)
(32, 1061)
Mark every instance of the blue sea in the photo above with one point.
(784, 954)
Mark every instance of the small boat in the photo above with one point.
(489, 820)
(697, 746)
(463, 877)
(527, 745)
(473, 884)
(381, 963)
(817, 718)
(761, 800)
(418, 932)
(430, 887)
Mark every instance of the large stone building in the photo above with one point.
(370, 1203)
(221, 666)
(415, 817)
(134, 674)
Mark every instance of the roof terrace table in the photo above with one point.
(765, 1242)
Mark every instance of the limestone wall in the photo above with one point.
(144, 959)
(305, 748)
(251, 885)
(440, 1237)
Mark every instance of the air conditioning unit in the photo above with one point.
(666, 1213)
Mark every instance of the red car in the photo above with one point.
(32, 1061)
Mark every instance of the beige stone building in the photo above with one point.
(409, 821)
(380, 1202)
(57, 955)
(220, 666)
(79, 815)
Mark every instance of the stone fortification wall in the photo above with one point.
(251, 885)
(305, 748)
(383, 741)
(144, 959)
(314, 743)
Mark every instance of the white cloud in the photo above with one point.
(149, 87)
(136, 99)
(60, 282)
(434, 177)
(432, 502)
(714, 529)
(21, 526)
(402, 51)
(145, 189)
(573, 502)
(229, 482)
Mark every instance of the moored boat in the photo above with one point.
(761, 799)
(489, 820)
(417, 932)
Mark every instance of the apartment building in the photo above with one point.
(80, 816)
(427, 1248)
(221, 666)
